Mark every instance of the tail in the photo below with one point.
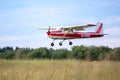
(100, 28)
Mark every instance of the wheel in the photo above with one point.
(70, 43)
(52, 44)
(60, 43)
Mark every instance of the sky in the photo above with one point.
(19, 20)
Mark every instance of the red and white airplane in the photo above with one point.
(68, 33)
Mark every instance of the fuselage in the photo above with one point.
(73, 35)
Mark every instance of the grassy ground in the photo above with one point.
(58, 70)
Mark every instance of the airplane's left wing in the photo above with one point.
(80, 27)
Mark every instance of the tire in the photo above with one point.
(52, 44)
(60, 43)
(70, 43)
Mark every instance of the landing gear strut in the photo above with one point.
(52, 44)
(60, 43)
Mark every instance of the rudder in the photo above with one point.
(99, 29)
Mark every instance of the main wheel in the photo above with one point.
(52, 44)
(60, 43)
(70, 43)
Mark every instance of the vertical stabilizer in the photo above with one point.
(99, 29)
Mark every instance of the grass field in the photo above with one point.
(58, 70)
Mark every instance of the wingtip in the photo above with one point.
(91, 25)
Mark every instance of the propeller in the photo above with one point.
(49, 29)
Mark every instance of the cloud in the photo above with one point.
(28, 16)
(112, 20)
(113, 30)
(104, 41)
(21, 41)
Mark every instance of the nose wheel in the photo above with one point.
(52, 44)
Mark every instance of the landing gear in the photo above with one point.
(70, 43)
(61, 43)
(52, 44)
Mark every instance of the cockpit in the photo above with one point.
(69, 31)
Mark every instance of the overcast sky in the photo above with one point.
(19, 20)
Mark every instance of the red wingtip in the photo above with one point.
(91, 25)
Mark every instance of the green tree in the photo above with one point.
(39, 53)
(34, 54)
(79, 52)
(103, 52)
(115, 54)
(45, 53)
(8, 54)
(94, 53)
(60, 54)
(21, 53)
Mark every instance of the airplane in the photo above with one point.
(73, 32)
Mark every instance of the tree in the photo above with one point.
(103, 52)
(34, 54)
(45, 53)
(115, 54)
(39, 53)
(79, 52)
(8, 54)
(21, 53)
(60, 54)
(94, 53)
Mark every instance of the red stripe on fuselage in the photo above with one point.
(74, 35)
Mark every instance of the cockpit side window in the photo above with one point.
(70, 31)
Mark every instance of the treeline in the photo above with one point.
(90, 53)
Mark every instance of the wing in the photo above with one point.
(80, 27)
(46, 28)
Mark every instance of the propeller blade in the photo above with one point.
(46, 28)
(49, 29)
